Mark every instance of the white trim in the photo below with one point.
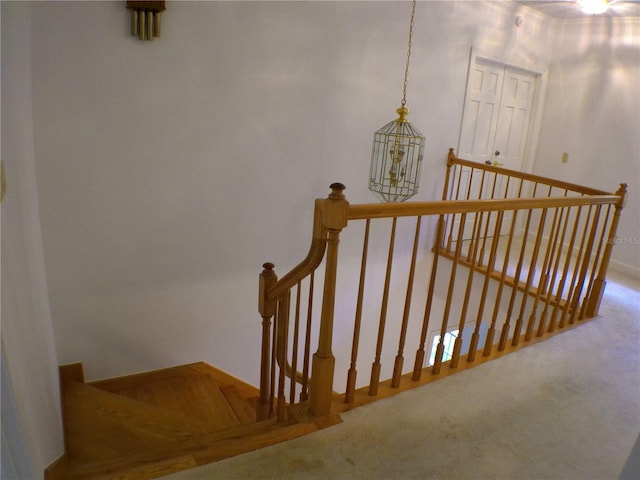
(624, 268)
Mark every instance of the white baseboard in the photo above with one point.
(624, 268)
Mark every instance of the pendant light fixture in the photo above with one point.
(397, 149)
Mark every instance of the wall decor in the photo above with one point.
(145, 18)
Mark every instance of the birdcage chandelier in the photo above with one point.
(398, 148)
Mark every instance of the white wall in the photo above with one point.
(592, 112)
(169, 171)
(31, 423)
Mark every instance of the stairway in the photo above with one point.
(151, 424)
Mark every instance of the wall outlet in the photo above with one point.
(565, 157)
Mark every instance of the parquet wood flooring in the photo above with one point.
(150, 424)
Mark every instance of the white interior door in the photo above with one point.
(495, 125)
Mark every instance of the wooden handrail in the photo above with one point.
(390, 210)
(310, 262)
(527, 176)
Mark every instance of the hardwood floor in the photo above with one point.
(151, 424)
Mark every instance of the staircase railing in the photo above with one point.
(534, 253)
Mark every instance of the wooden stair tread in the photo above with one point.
(196, 396)
(132, 382)
(197, 390)
(100, 424)
(223, 378)
(192, 452)
(243, 411)
(155, 423)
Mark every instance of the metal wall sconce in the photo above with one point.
(145, 18)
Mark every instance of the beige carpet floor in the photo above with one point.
(568, 408)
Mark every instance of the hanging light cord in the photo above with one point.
(406, 68)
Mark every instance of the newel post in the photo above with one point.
(597, 291)
(334, 212)
(267, 309)
(451, 158)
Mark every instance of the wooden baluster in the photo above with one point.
(551, 251)
(419, 360)
(282, 325)
(593, 304)
(551, 279)
(531, 275)
(486, 227)
(453, 217)
(488, 344)
(438, 244)
(594, 265)
(447, 191)
(473, 246)
(267, 309)
(579, 285)
(274, 365)
(437, 365)
(468, 197)
(353, 373)
(375, 368)
(473, 346)
(469, 184)
(477, 220)
(294, 348)
(516, 279)
(334, 212)
(566, 311)
(542, 281)
(304, 391)
(565, 272)
(397, 368)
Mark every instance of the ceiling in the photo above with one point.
(571, 8)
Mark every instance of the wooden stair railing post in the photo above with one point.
(451, 157)
(304, 394)
(596, 262)
(334, 211)
(397, 368)
(419, 360)
(282, 329)
(353, 373)
(267, 309)
(575, 301)
(377, 366)
(475, 336)
(437, 365)
(593, 303)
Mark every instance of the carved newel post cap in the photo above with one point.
(622, 193)
(336, 191)
(268, 266)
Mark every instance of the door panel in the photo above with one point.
(514, 117)
(482, 108)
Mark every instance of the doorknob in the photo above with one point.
(497, 153)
